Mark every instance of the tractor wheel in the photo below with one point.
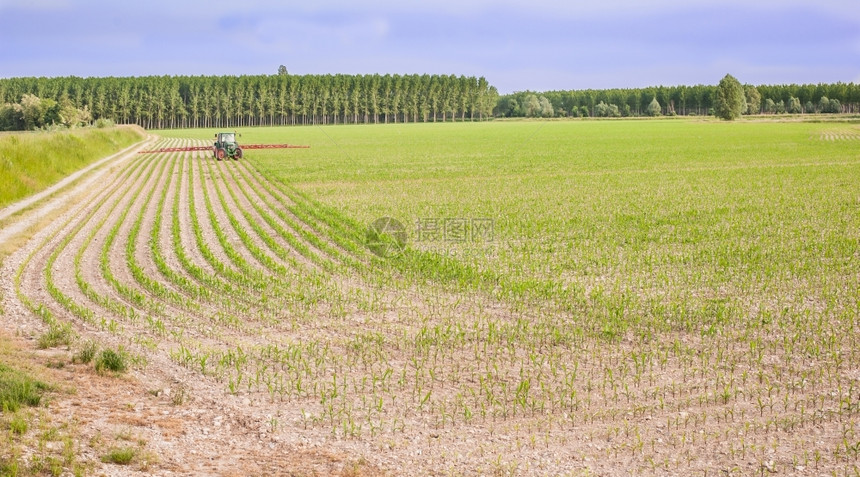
(220, 154)
(238, 154)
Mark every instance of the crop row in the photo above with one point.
(272, 295)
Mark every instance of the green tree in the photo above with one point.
(780, 107)
(531, 107)
(824, 105)
(11, 117)
(603, 110)
(753, 98)
(653, 108)
(508, 107)
(69, 115)
(31, 111)
(546, 109)
(730, 101)
(794, 106)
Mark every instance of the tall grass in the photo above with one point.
(30, 162)
(18, 389)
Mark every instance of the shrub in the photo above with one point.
(121, 456)
(86, 353)
(18, 425)
(111, 360)
(55, 336)
(102, 123)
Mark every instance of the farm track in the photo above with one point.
(298, 350)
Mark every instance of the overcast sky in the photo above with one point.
(517, 45)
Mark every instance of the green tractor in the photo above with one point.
(226, 146)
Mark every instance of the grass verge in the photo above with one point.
(30, 162)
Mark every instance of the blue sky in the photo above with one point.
(516, 45)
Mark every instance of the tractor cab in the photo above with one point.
(226, 146)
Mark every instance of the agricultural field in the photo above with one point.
(663, 297)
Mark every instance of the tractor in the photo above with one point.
(226, 146)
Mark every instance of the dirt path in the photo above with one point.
(94, 173)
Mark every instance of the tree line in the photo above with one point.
(679, 100)
(33, 112)
(284, 99)
(264, 100)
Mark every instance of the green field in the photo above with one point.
(644, 297)
(678, 217)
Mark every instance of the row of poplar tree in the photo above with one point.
(680, 100)
(263, 100)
